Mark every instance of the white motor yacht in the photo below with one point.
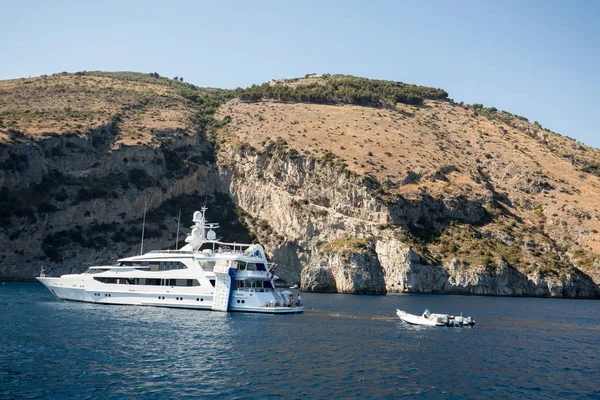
(204, 274)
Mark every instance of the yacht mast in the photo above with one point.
(177, 238)
(143, 227)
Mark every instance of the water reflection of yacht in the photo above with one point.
(204, 274)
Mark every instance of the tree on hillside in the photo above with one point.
(345, 89)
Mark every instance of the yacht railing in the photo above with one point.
(171, 251)
(251, 289)
(219, 251)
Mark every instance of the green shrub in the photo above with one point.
(345, 89)
(140, 179)
(346, 245)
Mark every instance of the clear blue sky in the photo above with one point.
(539, 59)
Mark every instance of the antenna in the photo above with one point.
(177, 239)
(143, 227)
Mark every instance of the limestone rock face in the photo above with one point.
(71, 202)
(305, 203)
(405, 272)
(355, 273)
(318, 279)
(95, 197)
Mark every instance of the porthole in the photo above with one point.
(238, 301)
(243, 301)
(197, 299)
(201, 299)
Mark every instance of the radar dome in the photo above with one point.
(211, 235)
(197, 216)
(197, 232)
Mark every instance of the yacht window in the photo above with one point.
(241, 285)
(181, 282)
(106, 280)
(212, 282)
(93, 271)
(207, 265)
(170, 265)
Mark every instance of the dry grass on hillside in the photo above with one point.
(443, 149)
(59, 104)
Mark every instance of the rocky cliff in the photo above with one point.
(315, 211)
(394, 190)
(76, 179)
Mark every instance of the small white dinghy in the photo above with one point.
(429, 319)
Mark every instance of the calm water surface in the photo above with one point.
(343, 346)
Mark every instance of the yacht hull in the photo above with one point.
(74, 289)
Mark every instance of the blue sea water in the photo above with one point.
(343, 346)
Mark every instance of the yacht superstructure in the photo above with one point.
(205, 274)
